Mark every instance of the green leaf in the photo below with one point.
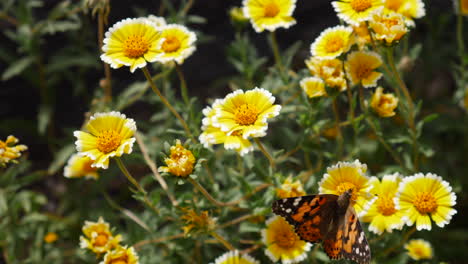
(43, 117)
(60, 158)
(17, 67)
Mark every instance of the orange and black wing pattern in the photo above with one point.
(355, 245)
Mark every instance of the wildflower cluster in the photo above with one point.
(9, 152)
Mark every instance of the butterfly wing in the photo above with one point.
(310, 215)
(355, 246)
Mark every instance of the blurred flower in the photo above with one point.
(348, 175)
(290, 189)
(237, 15)
(383, 104)
(329, 70)
(409, 8)
(176, 43)
(332, 42)
(462, 7)
(234, 257)
(98, 237)
(269, 14)
(361, 35)
(110, 134)
(245, 114)
(282, 242)
(419, 249)
(360, 68)
(50, 237)
(388, 27)
(214, 135)
(420, 196)
(381, 213)
(121, 255)
(330, 132)
(157, 20)
(197, 223)
(313, 87)
(9, 152)
(131, 42)
(78, 166)
(180, 162)
(356, 11)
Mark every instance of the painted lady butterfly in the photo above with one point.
(329, 219)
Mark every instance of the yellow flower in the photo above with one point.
(361, 35)
(50, 237)
(130, 42)
(176, 43)
(360, 68)
(9, 152)
(234, 257)
(383, 104)
(157, 21)
(463, 7)
(420, 196)
(332, 42)
(388, 27)
(197, 223)
(290, 189)
(121, 255)
(245, 114)
(348, 175)
(329, 70)
(110, 134)
(409, 8)
(313, 87)
(419, 249)
(214, 135)
(180, 162)
(381, 213)
(282, 242)
(78, 166)
(98, 237)
(356, 11)
(269, 14)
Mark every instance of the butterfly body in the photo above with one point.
(329, 219)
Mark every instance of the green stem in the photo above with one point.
(265, 152)
(183, 84)
(222, 240)
(207, 194)
(339, 136)
(167, 104)
(107, 72)
(276, 53)
(461, 49)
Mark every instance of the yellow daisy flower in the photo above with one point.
(388, 27)
(361, 36)
(121, 255)
(214, 135)
(332, 42)
(50, 237)
(245, 114)
(409, 8)
(419, 249)
(356, 11)
(383, 104)
(290, 189)
(234, 257)
(329, 70)
(110, 135)
(269, 14)
(98, 237)
(348, 175)
(360, 66)
(421, 196)
(381, 213)
(131, 42)
(282, 242)
(313, 87)
(78, 166)
(9, 152)
(176, 43)
(180, 162)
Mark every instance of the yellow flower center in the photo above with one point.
(120, 260)
(285, 238)
(108, 141)
(425, 202)
(237, 133)
(390, 22)
(363, 71)
(360, 5)
(393, 4)
(246, 114)
(334, 44)
(135, 46)
(171, 44)
(385, 205)
(86, 167)
(344, 186)
(3, 145)
(271, 9)
(101, 240)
